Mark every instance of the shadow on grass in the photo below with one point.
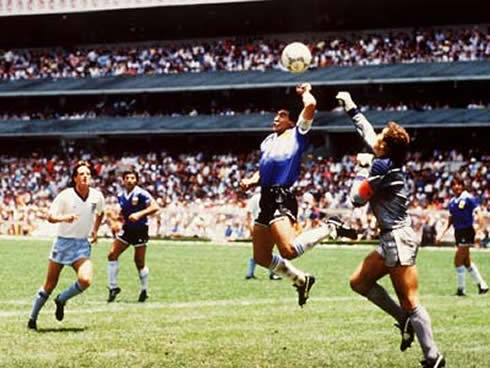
(61, 329)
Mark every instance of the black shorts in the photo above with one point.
(136, 237)
(276, 202)
(465, 236)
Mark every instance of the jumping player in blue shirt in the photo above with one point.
(136, 205)
(463, 208)
(279, 168)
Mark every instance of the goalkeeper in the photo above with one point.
(382, 183)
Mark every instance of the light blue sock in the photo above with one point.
(251, 267)
(69, 293)
(41, 298)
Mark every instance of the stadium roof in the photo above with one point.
(333, 76)
(39, 7)
(331, 122)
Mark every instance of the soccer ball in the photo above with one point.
(296, 57)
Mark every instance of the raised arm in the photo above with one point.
(363, 126)
(309, 107)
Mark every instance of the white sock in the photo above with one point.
(460, 277)
(307, 240)
(112, 271)
(284, 268)
(144, 275)
(475, 274)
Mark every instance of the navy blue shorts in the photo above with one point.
(136, 237)
(465, 237)
(276, 202)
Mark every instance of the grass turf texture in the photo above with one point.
(203, 313)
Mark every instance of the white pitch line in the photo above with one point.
(104, 307)
(244, 244)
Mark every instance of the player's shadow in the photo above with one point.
(61, 329)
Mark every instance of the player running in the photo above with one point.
(383, 185)
(136, 205)
(78, 211)
(279, 168)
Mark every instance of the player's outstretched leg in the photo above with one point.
(310, 238)
(342, 230)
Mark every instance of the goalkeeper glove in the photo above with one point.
(364, 160)
(345, 100)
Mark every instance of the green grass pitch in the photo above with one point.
(203, 313)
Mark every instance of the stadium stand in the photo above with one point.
(208, 152)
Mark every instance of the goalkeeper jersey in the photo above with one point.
(390, 194)
(387, 180)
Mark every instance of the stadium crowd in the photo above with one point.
(135, 106)
(367, 48)
(200, 196)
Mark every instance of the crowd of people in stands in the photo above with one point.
(133, 107)
(200, 196)
(368, 48)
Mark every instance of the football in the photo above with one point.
(296, 57)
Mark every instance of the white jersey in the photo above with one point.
(253, 206)
(69, 202)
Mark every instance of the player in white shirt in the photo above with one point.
(78, 211)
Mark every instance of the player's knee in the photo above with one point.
(49, 287)
(356, 284)
(112, 256)
(288, 253)
(262, 261)
(408, 304)
(85, 282)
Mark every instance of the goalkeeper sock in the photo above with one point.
(423, 329)
(284, 268)
(378, 295)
